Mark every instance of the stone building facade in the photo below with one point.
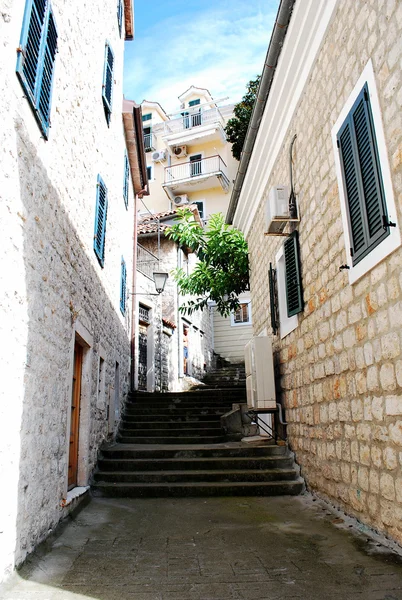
(165, 353)
(338, 361)
(65, 315)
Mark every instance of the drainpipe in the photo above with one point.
(134, 301)
(271, 60)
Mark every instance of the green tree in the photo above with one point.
(236, 127)
(221, 272)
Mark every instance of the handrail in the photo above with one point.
(273, 433)
(191, 118)
(147, 262)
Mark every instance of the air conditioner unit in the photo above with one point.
(161, 155)
(180, 151)
(277, 210)
(180, 200)
(260, 379)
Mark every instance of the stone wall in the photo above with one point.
(199, 323)
(340, 371)
(53, 290)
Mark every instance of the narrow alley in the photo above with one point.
(208, 549)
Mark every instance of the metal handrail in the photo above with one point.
(149, 141)
(273, 433)
(147, 262)
(195, 168)
(193, 117)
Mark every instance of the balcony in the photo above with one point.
(147, 262)
(149, 142)
(197, 175)
(194, 124)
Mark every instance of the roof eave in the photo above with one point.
(129, 19)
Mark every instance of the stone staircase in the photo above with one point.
(173, 444)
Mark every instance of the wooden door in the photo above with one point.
(75, 417)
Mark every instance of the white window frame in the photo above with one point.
(204, 218)
(250, 319)
(286, 324)
(393, 240)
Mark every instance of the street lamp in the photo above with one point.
(160, 280)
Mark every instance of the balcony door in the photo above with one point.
(195, 165)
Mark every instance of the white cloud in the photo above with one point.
(220, 49)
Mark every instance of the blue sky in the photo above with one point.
(216, 44)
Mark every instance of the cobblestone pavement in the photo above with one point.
(208, 549)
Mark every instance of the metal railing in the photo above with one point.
(193, 118)
(196, 168)
(149, 141)
(147, 263)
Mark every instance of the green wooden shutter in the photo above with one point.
(126, 178)
(107, 86)
(194, 102)
(361, 171)
(100, 220)
(123, 286)
(36, 57)
(272, 298)
(50, 49)
(293, 283)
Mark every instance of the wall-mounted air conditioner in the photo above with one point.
(180, 151)
(277, 210)
(159, 155)
(260, 379)
(180, 200)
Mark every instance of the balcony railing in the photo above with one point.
(149, 142)
(213, 165)
(193, 118)
(147, 263)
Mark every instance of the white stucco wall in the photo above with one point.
(52, 286)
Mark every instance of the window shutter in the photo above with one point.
(107, 87)
(367, 214)
(45, 93)
(120, 15)
(36, 57)
(123, 286)
(194, 102)
(272, 298)
(100, 220)
(294, 292)
(126, 178)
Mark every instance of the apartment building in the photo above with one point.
(319, 200)
(67, 212)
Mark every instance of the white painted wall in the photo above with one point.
(52, 285)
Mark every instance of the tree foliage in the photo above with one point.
(236, 127)
(221, 272)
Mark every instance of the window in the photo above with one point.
(120, 15)
(126, 178)
(195, 116)
(147, 117)
(365, 188)
(149, 173)
(242, 316)
(107, 86)
(289, 285)
(200, 205)
(147, 138)
(195, 165)
(123, 286)
(100, 221)
(36, 57)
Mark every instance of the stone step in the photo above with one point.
(173, 410)
(166, 425)
(172, 417)
(199, 488)
(221, 450)
(191, 439)
(225, 475)
(196, 463)
(166, 432)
